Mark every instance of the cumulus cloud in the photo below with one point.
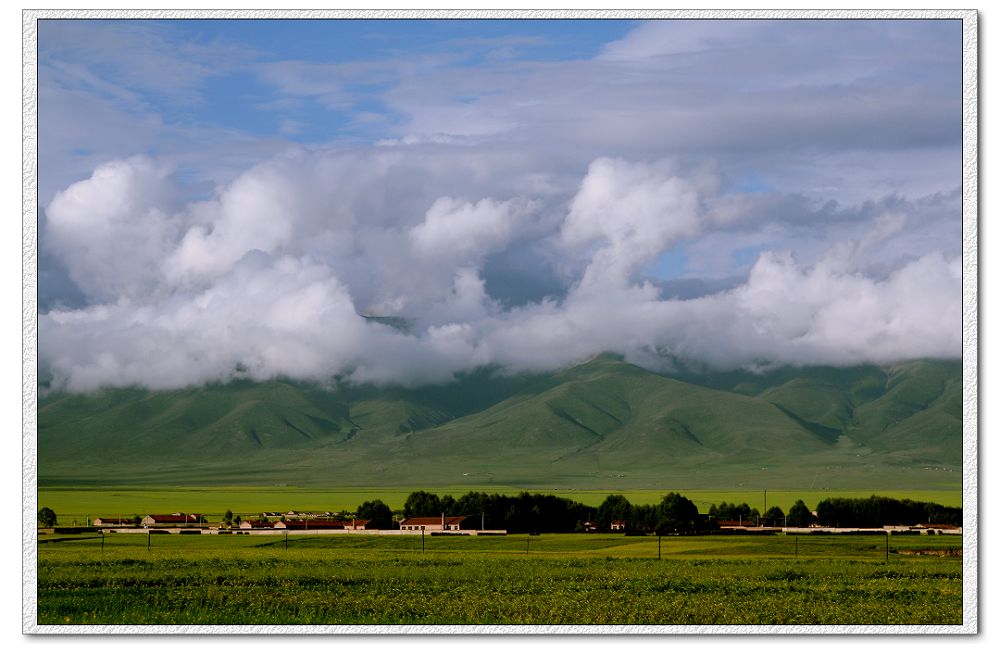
(467, 231)
(274, 274)
(633, 211)
(108, 229)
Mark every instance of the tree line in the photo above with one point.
(875, 512)
(675, 513)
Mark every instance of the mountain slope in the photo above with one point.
(586, 426)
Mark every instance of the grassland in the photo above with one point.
(78, 503)
(552, 579)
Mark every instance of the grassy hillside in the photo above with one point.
(605, 423)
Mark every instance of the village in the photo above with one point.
(302, 522)
(328, 523)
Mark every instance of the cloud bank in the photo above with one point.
(274, 274)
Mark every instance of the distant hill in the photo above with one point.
(602, 424)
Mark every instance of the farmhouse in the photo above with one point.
(618, 525)
(359, 525)
(441, 523)
(113, 522)
(248, 524)
(174, 520)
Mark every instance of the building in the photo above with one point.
(174, 520)
(113, 522)
(249, 524)
(618, 525)
(359, 525)
(941, 529)
(441, 523)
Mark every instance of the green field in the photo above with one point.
(78, 503)
(551, 579)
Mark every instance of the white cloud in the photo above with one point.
(632, 211)
(466, 231)
(109, 228)
(271, 275)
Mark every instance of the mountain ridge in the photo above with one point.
(596, 422)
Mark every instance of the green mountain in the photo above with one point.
(603, 424)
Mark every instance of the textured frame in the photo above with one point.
(970, 357)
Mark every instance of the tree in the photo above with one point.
(448, 505)
(422, 504)
(775, 515)
(678, 514)
(799, 515)
(379, 513)
(227, 519)
(615, 506)
(47, 517)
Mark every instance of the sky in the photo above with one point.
(229, 199)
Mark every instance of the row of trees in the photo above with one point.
(523, 513)
(675, 513)
(528, 512)
(875, 512)
(798, 515)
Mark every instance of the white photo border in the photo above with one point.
(970, 279)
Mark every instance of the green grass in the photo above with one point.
(78, 503)
(563, 579)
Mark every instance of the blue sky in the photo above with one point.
(242, 100)
(498, 183)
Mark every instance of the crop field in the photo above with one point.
(517, 579)
(80, 503)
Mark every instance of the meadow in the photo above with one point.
(78, 504)
(548, 579)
